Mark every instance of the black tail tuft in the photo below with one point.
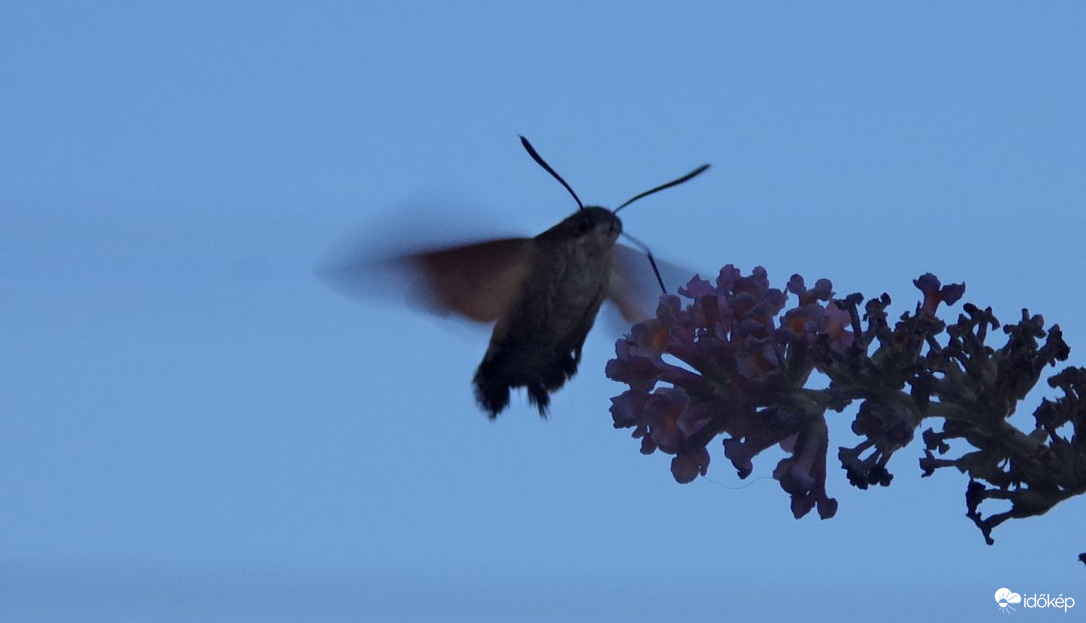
(492, 387)
(491, 393)
(496, 377)
(538, 395)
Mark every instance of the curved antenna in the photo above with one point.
(689, 176)
(543, 163)
(652, 261)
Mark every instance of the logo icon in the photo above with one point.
(1004, 598)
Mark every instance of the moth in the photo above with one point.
(541, 293)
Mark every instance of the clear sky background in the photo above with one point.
(194, 428)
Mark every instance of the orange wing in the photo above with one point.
(476, 281)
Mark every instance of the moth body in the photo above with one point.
(537, 344)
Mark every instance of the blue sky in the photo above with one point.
(193, 427)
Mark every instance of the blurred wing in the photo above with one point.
(477, 281)
(633, 288)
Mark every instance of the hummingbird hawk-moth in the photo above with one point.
(541, 293)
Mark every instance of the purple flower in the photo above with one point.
(803, 475)
(687, 466)
(936, 293)
(822, 291)
(837, 325)
(706, 367)
(731, 357)
(626, 408)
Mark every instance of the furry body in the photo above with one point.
(537, 343)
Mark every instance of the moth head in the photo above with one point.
(593, 226)
(600, 226)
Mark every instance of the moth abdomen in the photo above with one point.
(539, 367)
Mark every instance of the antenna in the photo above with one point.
(543, 163)
(652, 261)
(689, 176)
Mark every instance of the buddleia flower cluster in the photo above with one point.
(734, 358)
